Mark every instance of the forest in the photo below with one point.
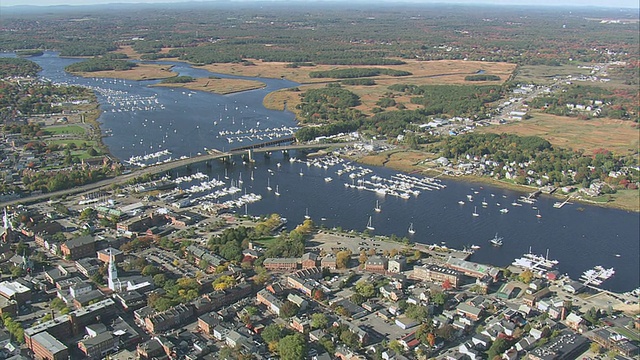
(452, 100)
(341, 34)
(356, 73)
(100, 64)
(18, 67)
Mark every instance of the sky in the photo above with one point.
(601, 3)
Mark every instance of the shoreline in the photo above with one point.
(493, 182)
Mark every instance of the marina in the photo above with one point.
(596, 276)
(536, 263)
(577, 237)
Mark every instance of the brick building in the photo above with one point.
(78, 248)
(436, 274)
(47, 347)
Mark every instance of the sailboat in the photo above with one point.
(226, 175)
(369, 225)
(240, 179)
(277, 192)
(484, 202)
(306, 215)
(538, 214)
(496, 241)
(475, 211)
(268, 185)
(251, 175)
(377, 208)
(411, 230)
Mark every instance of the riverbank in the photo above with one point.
(412, 162)
(217, 85)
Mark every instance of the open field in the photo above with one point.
(218, 86)
(544, 74)
(441, 72)
(140, 72)
(77, 142)
(424, 72)
(403, 160)
(620, 137)
(65, 129)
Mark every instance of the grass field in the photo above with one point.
(65, 129)
(620, 137)
(76, 142)
(424, 72)
(544, 74)
(442, 72)
(140, 72)
(218, 86)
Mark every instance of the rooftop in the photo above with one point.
(49, 342)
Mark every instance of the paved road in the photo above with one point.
(103, 184)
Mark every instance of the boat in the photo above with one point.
(252, 175)
(306, 215)
(504, 211)
(369, 225)
(377, 208)
(475, 211)
(268, 185)
(461, 202)
(475, 247)
(496, 241)
(277, 192)
(226, 175)
(484, 202)
(411, 230)
(538, 214)
(328, 179)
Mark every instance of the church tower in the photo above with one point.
(113, 273)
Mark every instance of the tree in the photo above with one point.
(350, 338)
(366, 289)
(319, 321)
(526, 276)
(498, 347)
(417, 312)
(446, 285)
(149, 270)
(292, 347)
(271, 333)
(342, 259)
(288, 309)
(439, 298)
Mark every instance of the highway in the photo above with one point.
(154, 169)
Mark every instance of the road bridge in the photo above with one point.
(155, 169)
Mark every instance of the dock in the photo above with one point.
(559, 205)
(537, 263)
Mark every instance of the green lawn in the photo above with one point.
(266, 242)
(72, 141)
(68, 129)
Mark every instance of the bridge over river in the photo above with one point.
(155, 169)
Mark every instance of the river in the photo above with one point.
(187, 122)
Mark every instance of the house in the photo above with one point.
(271, 302)
(574, 321)
(302, 303)
(207, 322)
(78, 248)
(469, 311)
(299, 325)
(574, 287)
